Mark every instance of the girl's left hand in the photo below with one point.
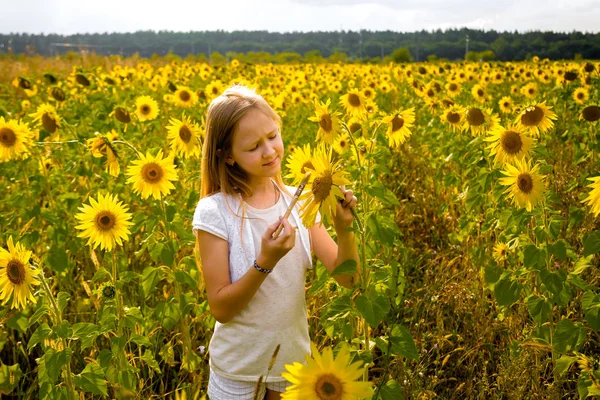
(343, 217)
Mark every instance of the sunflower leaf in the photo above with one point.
(592, 244)
(91, 379)
(347, 267)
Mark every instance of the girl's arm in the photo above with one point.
(332, 254)
(227, 299)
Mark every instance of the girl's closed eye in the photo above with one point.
(256, 146)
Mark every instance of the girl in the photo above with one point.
(255, 283)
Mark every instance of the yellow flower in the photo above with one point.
(324, 191)
(146, 108)
(530, 90)
(353, 102)
(479, 121)
(326, 377)
(455, 117)
(329, 122)
(536, 118)
(101, 146)
(213, 89)
(300, 160)
(46, 116)
(398, 126)
(590, 113)
(506, 105)
(500, 252)
(593, 199)
(185, 97)
(581, 95)
(15, 139)
(509, 144)
(152, 175)
(525, 184)
(184, 137)
(478, 93)
(16, 275)
(453, 89)
(105, 222)
(342, 144)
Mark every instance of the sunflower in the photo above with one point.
(453, 88)
(536, 118)
(152, 175)
(101, 146)
(326, 377)
(46, 116)
(213, 89)
(590, 113)
(185, 97)
(530, 90)
(342, 144)
(122, 115)
(324, 190)
(479, 121)
(184, 137)
(105, 222)
(15, 139)
(16, 275)
(454, 117)
(593, 199)
(581, 95)
(355, 126)
(300, 160)
(506, 105)
(398, 126)
(353, 102)
(329, 122)
(524, 183)
(478, 93)
(508, 144)
(500, 252)
(146, 108)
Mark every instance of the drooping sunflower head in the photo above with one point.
(525, 184)
(122, 115)
(105, 222)
(590, 113)
(46, 116)
(152, 175)
(536, 118)
(146, 108)
(184, 137)
(17, 275)
(329, 122)
(479, 120)
(508, 144)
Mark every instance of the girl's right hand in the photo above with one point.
(273, 250)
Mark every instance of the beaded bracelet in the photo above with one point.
(264, 271)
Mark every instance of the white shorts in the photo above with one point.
(220, 388)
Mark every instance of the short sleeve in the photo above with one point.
(209, 218)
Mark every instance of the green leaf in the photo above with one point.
(63, 330)
(167, 255)
(563, 364)
(39, 313)
(55, 360)
(86, 332)
(403, 343)
(57, 259)
(171, 211)
(133, 316)
(507, 291)
(101, 274)
(559, 249)
(167, 313)
(532, 257)
(491, 274)
(553, 282)
(568, 336)
(347, 267)
(150, 277)
(62, 299)
(590, 303)
(591, 244)
(42, 332)
(391, 391)
(538, 308)
(373, 310)
(140, 340)
(9, 377)
(91, 379)
(185, 278)
(582, 264)
(155, 252)
(152, 363)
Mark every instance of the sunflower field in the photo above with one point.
(478, 189)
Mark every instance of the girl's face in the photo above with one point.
(257, 145)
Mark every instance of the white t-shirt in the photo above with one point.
(241, 349)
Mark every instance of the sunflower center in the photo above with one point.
(591, 113)
(49, 123)
(105, 220)
(185, 134)
(145, 109)
(215, 90)
(321, 187)
(453, 87)
(355, 126)
(184, 95)
(15, 271)
(525, 183)
(342, 143)
(7, 137)
(329, 387)
(570, 76)
(122, 115)
(326, 122)
(475, 117)
(397, 123)
(511, 142)
(480, 93)
(453, 118)
(307, 164)
(532, 116)
(580, 95)
(354, 100)
(152, 173)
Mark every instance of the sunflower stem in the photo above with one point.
(118, 306)
(137, 152)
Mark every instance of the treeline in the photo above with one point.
(364, 45)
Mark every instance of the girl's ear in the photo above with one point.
(230, 161)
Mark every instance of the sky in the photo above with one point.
(84, 16)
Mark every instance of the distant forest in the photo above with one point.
(354, 45)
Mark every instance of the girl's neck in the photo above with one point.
(264, 194)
